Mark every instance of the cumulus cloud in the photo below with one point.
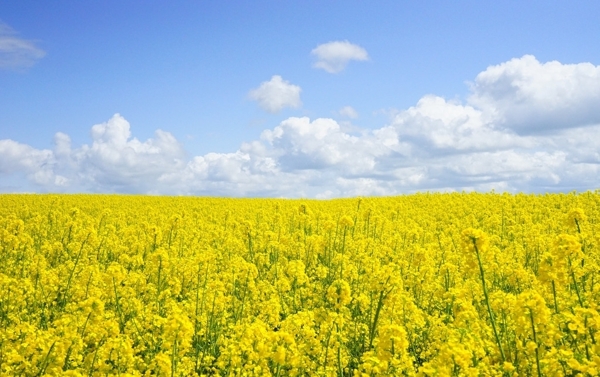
(16, 52)
(116, 161)
(436, 126)
(436, 144)
(528, 96)
(276, 94)
(301, 144)
(37, 165)
(334, 56)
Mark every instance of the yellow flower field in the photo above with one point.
(418, 285)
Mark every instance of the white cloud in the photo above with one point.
(348, 112)
(528, 96)
(301, 144)
(116, 161)
(435, 145)
(436, 126)
(37, 165)
(334, 56)
(276, 94)
(16, 52)
(113, 162)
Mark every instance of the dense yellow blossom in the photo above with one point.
(418, 285)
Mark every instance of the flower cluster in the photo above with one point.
(418, 285)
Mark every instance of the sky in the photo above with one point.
(316, 99)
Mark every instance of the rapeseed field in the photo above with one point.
(420, 285)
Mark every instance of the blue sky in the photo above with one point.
(290, 98)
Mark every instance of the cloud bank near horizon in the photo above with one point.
(526, 126)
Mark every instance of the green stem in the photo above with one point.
(487, 300)
(118, 306)
(576, 285)
(45, 362)
(554, 294)
(537, 346)
(174, 358)
(339, 361)
(376, 319)
(64, 297)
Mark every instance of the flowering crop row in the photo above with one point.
(425, 284)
